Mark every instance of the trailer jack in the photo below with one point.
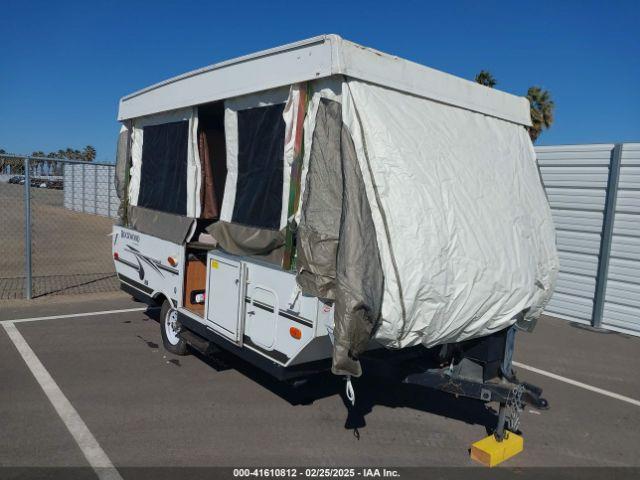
(511, 395)
(482, 370)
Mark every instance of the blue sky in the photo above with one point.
(64, 65)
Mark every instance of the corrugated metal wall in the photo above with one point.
(575, 178)
(599, 266)
(622, 295)
(90, 189)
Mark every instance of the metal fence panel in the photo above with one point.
(575, 178)
(72, 205)
(12, 260)
(90, 189)
(622, 297)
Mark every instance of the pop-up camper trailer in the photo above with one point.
(322, 204)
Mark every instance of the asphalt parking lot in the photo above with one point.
(145, 407)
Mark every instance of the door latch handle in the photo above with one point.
(252, 312)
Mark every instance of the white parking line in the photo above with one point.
(90, 447)
(575, 383)
(71, 315)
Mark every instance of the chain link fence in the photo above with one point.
(55, 220)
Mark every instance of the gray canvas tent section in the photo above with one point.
(338, 255)
(120, 177)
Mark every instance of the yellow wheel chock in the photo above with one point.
(491, 452)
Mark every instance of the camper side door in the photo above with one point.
(226, 290)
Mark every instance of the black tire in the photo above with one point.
(171, 344)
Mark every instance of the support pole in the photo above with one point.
(502, 419)
(607, 236)
(95, 190)
(109, 183)
(84, 180)
(27, 228)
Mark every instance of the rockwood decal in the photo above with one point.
(130, 236)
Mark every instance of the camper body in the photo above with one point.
(278, 204)
(247, 304)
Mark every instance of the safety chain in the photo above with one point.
(514, 407)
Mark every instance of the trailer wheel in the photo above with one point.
(170, 328)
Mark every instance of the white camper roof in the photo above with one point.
(314, 58)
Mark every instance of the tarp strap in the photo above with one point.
(351, 409)
(294, 298)
(350, 392)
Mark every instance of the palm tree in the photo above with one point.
(89, 153)
(485, 78)
(542, 108)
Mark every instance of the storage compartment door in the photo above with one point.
(262, 316)
(224, 294)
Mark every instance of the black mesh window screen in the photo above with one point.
(260, 167)
(163, 179)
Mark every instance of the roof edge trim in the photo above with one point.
(315, 58)
(228, 63)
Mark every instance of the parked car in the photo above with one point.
(39, 183)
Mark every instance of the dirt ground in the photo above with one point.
(70, 250)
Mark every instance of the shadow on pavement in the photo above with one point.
(370, 392)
